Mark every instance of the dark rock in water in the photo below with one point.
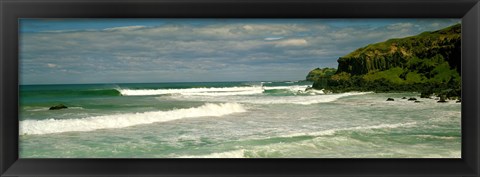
(459, 101)
(57, 107)
(442, 99)
(404, 98)
(416, 101)
(412, 99)
(390, 99)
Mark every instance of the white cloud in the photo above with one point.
(247, 27)
(62, 31)
(175, 47)
(400, 26)
(436, 25)
(50, 65)
(291, 42)
(272, 38)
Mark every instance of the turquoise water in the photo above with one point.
(232, 119)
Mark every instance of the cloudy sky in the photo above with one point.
(67, 51)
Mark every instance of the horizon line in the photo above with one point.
(161, 82)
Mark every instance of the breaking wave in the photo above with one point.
(221, 91)
(32, 127)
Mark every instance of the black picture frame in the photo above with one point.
(11, 10)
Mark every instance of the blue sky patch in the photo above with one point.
(67, 51)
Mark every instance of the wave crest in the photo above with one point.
(35, 127)
(222, 91)
(216, 91)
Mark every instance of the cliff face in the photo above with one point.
(397, 52)
(429, 63)
(319, 73)
(320, 76)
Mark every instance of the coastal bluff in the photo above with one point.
(397, 52)
(429, 62)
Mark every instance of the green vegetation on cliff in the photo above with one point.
(319, 73)
(320, 76)
(428, 63)
(397, 52)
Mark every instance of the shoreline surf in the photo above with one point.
(269, 119)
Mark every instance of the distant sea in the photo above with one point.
(232, 120)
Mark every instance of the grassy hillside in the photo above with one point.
(397, 52)
(428, 63)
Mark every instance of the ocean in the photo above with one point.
(232, 120)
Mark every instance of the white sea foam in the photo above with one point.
(292, 88)
(302, 100)
(222, 91)
(215, 91)
(335, 130)
(29, 127)
(285, 148)
(77, 107)
(437, 137)
(38, 109)
(229, 154)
